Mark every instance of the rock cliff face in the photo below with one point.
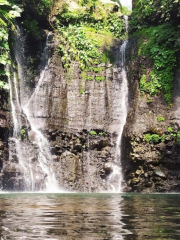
(80, 118)
(74, 108)
(4, 128)
(151, 166)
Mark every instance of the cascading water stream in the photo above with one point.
(115, 177)
(35, 167)
(34, 164)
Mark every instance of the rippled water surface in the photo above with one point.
(89, 216)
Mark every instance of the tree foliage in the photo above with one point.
(83, 33)
(8, 11)
(39, 8)
(156, 23)
(155, 12)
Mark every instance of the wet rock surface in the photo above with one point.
(69, 108)
(80, 158)
(150, 166)
(80, 119)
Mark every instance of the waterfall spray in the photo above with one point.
(115, 177)
(33, 153)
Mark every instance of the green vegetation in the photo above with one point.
(170, 134)
(160, 119)
(152, 138)
(40, 8)
(86, 34)
(156, 26)
(102, 133)
(160, 45)
(8, 11)
(99, 78)
(79, 47)
(93, 133)
(35, 16)
(97, 132)
(4, 85)
(85, 77)
(170, 129)
(22, 133)
(151, 12)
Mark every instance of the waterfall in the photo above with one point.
(28, 143)
(115, 177)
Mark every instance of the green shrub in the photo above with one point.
(86, 37)
(102, 133)
(40, 7)
(99, 79)
(22, 132)
(4, 85)
(8, 11)
(159, 44)
(152, 138)
(76, 46)
(160, 119)
(151, 12)
(169, 135)
(93, 133)
(170, 129)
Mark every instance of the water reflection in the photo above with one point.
(61, 216)
(89, 216)
(154, 216)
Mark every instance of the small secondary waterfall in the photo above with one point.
(115, 177)
(28, 144)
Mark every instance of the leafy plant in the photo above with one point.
(93, 132)
(152, 138)
(76, 46)
(102, 133)
(40, 7)
(99, 78)
(22, 132)
(148, 12)
(170, 134)
(8, 11)
(4, 85)
(85, 77)
(84, 32)
(170, 129)
(82, 91)
(159, 44)
(160, 119)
